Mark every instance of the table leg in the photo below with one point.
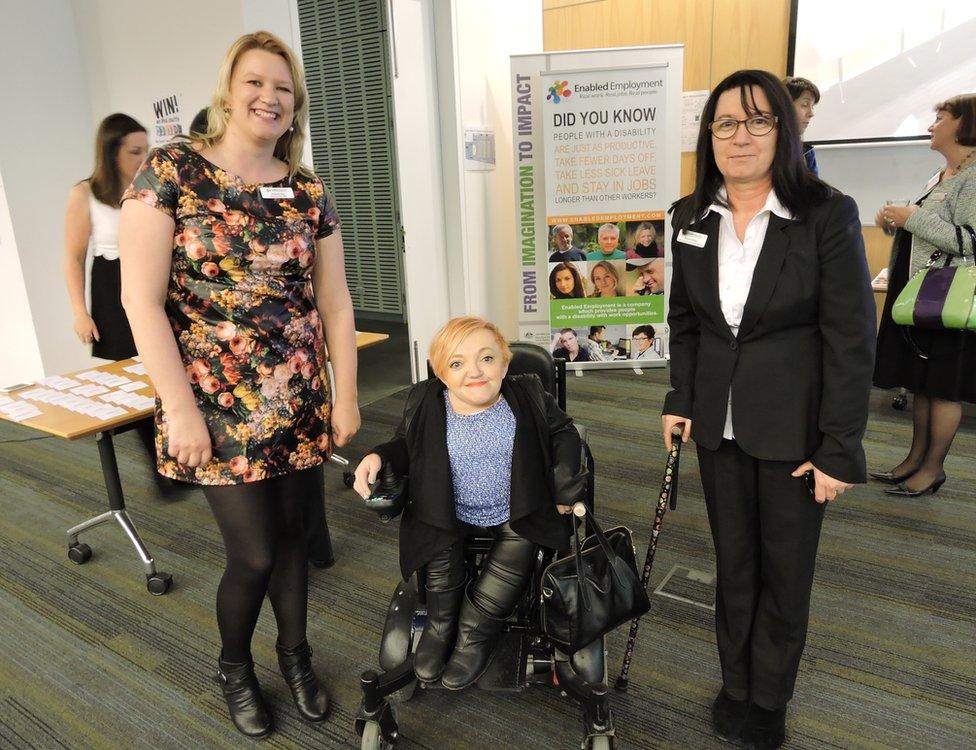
(156, 581)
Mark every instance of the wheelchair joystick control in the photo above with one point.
(387, 498)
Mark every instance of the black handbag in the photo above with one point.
(592, 591)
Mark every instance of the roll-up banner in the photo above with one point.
(597, 139)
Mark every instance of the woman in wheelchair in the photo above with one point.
(484, 452)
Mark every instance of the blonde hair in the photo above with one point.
(290, 145)
(456, 330)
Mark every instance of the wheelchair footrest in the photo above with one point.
(507, 668)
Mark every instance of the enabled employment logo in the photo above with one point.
(558, 91)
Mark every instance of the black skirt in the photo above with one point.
(107, 312)
(949, 372)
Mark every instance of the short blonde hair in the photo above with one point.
(289, 146)
(456, 330)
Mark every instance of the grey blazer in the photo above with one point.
(949, 204)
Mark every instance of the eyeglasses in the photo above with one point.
(641, 338)
(757, 125)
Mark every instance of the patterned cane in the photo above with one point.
(668, 486)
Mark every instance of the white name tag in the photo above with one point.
(277, 192)
(692, 238)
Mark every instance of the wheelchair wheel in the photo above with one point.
(372, 738)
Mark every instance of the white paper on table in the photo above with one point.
(135, 385)
(136, 369)
(18, 411)
(89, 375)
(59, 383)
(90, 389)
(114, 381)
(5, 400)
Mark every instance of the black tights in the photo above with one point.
(935, 422)
(263, 525)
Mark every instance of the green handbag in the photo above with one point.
(942, 297)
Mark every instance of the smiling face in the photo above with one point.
(262, 96)
(645, 237)
(474, 373)
(653, 276)
(564, 239)
(564, 281)
(608, 241)
(803, 105)
(744, 158)
(604, 282)
(132, 152)
(642, 341)
(943, 131)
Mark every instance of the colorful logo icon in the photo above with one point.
(558, 91)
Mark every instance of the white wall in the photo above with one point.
(46, 136)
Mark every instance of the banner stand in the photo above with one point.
(597, 162)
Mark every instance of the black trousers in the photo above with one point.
(766, 527)
(504, 575)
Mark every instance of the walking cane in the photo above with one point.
(668, 496)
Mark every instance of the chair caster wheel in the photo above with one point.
(348, 479)
(599, 742)
(159, 584)
(372, 738)
(79, 553)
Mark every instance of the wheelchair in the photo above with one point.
(524, 656)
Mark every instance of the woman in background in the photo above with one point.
(937, 366)
(92, 221)
(645, 242)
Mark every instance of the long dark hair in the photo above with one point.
(796, 187)
(577, 282)
(105, 181)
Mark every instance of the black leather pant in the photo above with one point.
(504, 575)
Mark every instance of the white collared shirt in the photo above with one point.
(737, 264)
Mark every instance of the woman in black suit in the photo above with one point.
(485, 453)
(772, 345)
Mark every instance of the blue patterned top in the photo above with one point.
(480, 448)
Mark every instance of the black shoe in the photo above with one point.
(477, 636)
(764, 729)
(728, 716)
(439, 634)
(245, 702)
(311, 700)
(903, 491)
(887, 477)
(324, 563)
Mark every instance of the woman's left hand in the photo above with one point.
(896, 216)
(345, 422)
(826, 488)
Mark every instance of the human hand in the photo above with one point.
(669, 422)
(188, 437)
(345, 422)
(85, 328)
(895, 216)
(366, 473)
(826, 488)
(565, 509)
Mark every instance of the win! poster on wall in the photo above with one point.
(597, 163)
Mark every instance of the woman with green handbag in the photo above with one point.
(935, 363)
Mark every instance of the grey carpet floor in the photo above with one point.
(89, 659)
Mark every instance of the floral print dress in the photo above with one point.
(241, 307)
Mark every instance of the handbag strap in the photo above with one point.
(972, 237)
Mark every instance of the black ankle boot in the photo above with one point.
(440, 630)
(311, 700)
(477, 636)
(245, 702)
(765, 729)
(728, 716)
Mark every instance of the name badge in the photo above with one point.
(933, 181)
(937, 197)
(277, 192)
(692, 238)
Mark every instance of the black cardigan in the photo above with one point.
(547, 470)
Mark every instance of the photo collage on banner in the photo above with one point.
(605, 215)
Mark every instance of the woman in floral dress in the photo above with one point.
(233, 281)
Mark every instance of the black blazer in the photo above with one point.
(547, 470)
(800, 368)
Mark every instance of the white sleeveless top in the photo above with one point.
(104, 241)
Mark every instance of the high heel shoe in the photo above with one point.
(888, 477)
(903, 491)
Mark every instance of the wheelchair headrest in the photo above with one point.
(528, 358)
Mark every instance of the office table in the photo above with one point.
(62, 422)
